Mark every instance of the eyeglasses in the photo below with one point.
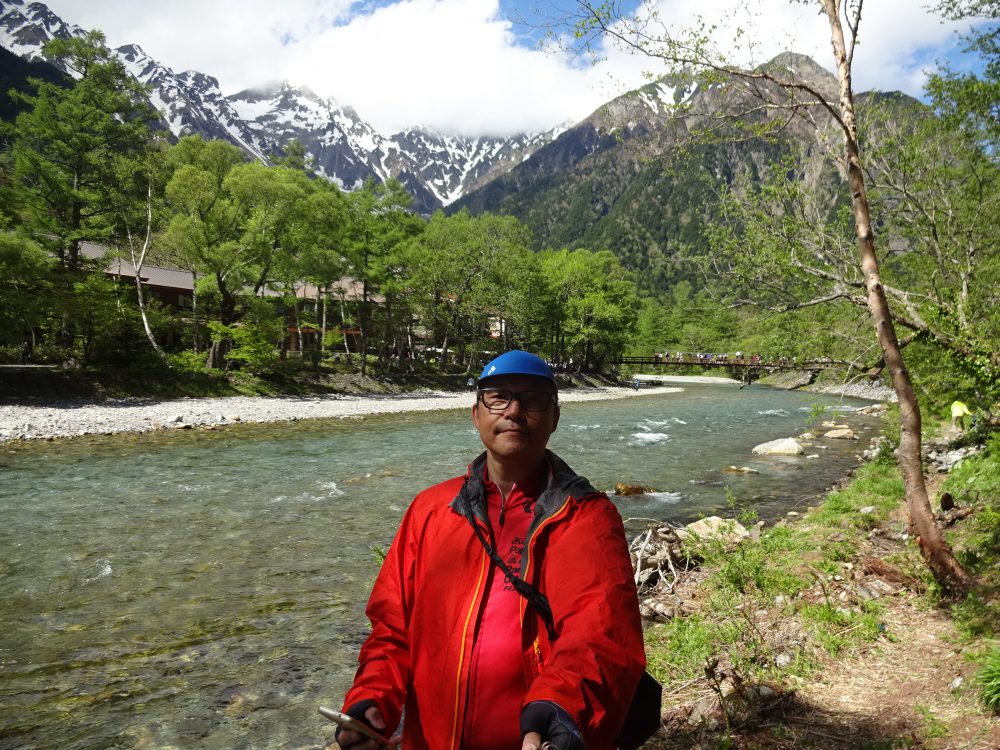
(497, 400)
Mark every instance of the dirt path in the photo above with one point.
(912, 689)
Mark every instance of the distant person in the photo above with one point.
(959, 412)
(470, 383)
(460, 638)
(26, 348)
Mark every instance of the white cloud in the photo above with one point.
(898, 39)
(457, 64)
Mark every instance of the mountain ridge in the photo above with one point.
(435, 168)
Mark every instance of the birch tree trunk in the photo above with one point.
(343, 323)
(322, 326)
(196, 344)
(936, 552)
(137, 263)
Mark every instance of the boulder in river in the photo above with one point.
(841, 433)
(740, 470)
(624, 488)
(780, 447)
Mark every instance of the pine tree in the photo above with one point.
(64, 145)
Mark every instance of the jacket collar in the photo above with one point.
(563, 483)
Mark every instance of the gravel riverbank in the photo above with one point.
(51, 420)
(865, 390)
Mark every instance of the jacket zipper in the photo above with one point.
(527, 572)
(461, 655)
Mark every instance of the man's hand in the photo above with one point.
(366, 712)
(546, 726)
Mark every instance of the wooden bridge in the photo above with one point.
(745, 368)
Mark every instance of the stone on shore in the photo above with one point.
(71, 418)
(712, 527)
(842, 433)
(780, 447)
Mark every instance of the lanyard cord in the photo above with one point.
(537, 599)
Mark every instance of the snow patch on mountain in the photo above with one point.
(437, 169)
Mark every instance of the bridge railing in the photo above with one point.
(679, 359)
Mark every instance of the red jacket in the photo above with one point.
(428, 594)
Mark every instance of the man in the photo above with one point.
(452, 640)
(959, 412)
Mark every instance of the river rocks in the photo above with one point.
(655, 610)
(783, 659)
(942, 460)
(807, 436)
(780, 447)
(739, 470)
(841, 433)
(875, 447)
(712, 527)
(866, 390)
(624, 488)
(72, 417)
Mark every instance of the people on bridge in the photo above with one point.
(459, 636)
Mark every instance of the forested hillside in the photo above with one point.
(641, 175)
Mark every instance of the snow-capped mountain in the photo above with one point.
(436, 169)
(25, 27)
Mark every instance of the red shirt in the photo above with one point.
(497, 683)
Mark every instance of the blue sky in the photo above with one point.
(469, 66)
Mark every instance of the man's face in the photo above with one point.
(514, 432)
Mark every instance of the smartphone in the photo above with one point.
(349, 722)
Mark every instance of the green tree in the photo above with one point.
(936, 195)
(474, 278)
(378, 223)
(294, 156)
(25, 287)
(65, 143)
(236, 223)
(319, 234)
(136, 196)
(776, 97)
(972, 100)
(598, 305)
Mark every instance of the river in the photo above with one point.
(205, 589)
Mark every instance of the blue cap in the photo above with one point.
(517, 362)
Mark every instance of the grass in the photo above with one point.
(988, 680)
(788, 561)
(933, 727)
(975, 482)
(790, 597)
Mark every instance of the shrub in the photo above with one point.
(988, 680)
(188, 361)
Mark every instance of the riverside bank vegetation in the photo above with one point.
(826, 630)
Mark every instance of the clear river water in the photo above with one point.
(205, 589)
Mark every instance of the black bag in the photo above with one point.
(643, 717)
